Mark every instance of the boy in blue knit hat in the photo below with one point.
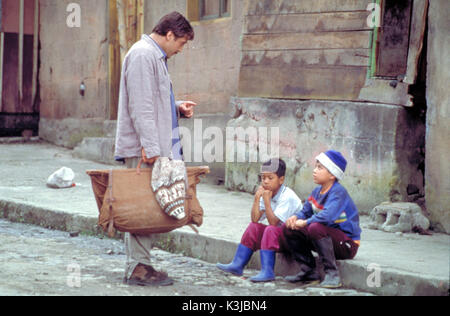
(328, 223)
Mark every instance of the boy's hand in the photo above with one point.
(259, 193)
(290, 223)
(267, 195)
(300, 224)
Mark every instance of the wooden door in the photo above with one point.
(19, 106)
(126, 26)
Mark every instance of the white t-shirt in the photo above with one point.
(284, 204)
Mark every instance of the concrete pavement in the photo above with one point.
(386, 264)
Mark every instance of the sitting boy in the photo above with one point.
(277, 203)
(328, 223)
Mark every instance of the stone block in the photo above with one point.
(398, 217)
(69, 132)
(99, 149)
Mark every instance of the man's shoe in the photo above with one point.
(241, 258)
(144, 275)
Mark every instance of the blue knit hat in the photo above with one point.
(334, 162)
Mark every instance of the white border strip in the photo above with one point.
(331, 166)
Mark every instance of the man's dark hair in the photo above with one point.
(275, 165)
(176, 23)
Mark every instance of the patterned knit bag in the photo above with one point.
(169, 185)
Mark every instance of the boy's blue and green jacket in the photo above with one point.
(334, 209)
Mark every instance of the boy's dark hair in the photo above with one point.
(275, 165)
(176, 23)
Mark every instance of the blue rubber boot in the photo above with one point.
(267, 266)
(241, 258)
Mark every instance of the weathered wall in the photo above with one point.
(70, 56)
(371, 137)
(437, 172)
(207, 71)
(319, 50)
(311, 49)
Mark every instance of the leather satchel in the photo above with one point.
(127, 203)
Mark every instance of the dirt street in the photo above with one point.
(37, 261)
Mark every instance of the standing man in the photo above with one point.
(147, 125)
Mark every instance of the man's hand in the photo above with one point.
(148, 160)
(187, 108)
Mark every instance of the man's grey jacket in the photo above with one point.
(145, 113)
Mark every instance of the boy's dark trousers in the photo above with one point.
(298, 244)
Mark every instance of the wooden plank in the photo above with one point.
(313, 22)
(122, 29)
(10, 64)
(382, 91)
(373, 50)
(296, 58)
(2, 47)
(35, 54)
(10, 94)
(20, 63)
(27, 103)
(327, 83)
(330, 40)
(263, 7)
(114, 60)
(192, 9)
(393, 39)
(131, 22)
(140, 19)
(417, 33)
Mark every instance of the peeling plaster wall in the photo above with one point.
(371, 137)
(68, 57)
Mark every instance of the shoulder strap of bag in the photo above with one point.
(138, 168)
(194, 229)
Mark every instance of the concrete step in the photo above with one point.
(99, 149)
(109, 128)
